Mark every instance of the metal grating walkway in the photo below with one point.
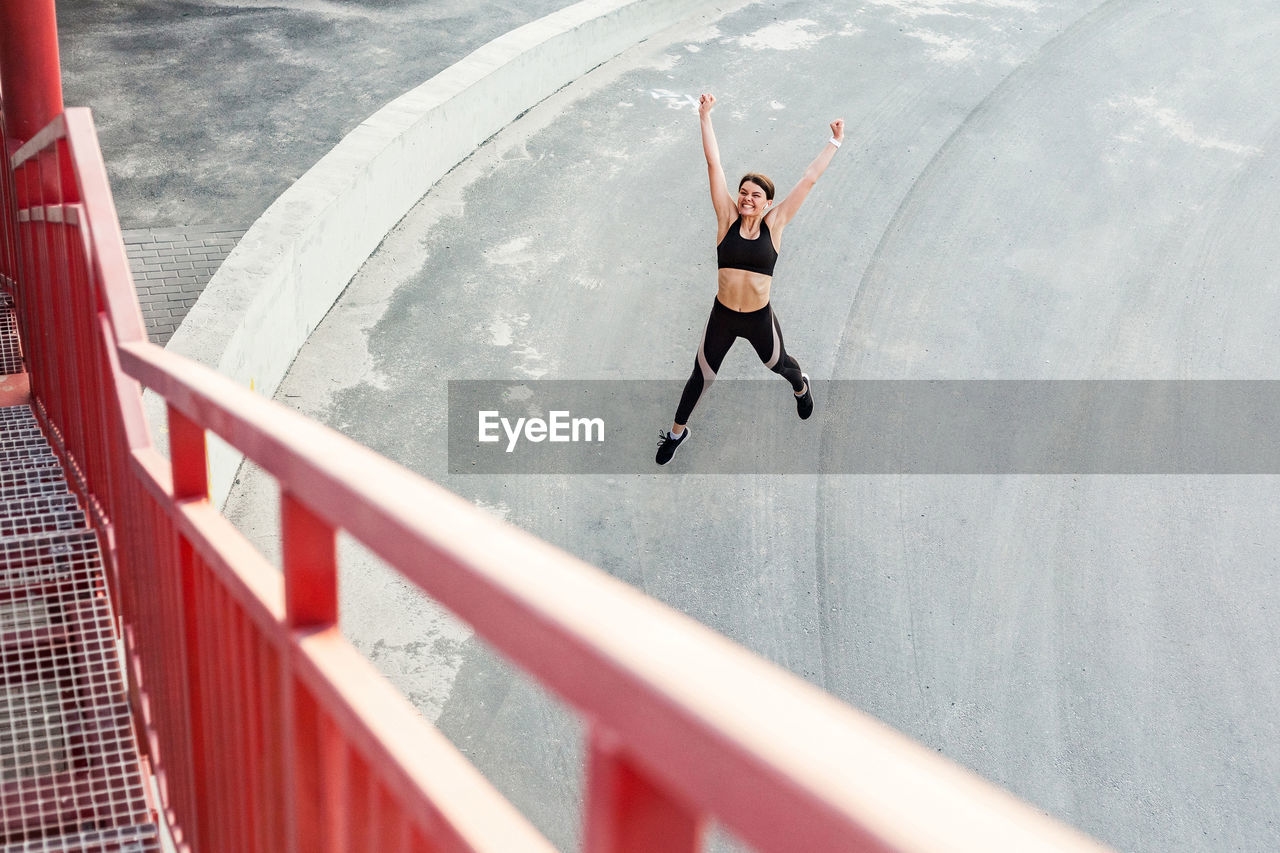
(69, 764)
(10, 348)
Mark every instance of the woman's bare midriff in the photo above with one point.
(741, 290)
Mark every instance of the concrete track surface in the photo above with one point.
(1030, 189)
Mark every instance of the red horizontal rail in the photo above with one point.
(269, 732)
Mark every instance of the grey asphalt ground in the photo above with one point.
(1030, 189)
(1060, 189)
(207, 111)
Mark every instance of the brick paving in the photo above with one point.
(171, 267)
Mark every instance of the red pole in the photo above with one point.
(30, 76)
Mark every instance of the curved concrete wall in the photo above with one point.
(295, 261)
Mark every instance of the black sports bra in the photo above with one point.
(735, 252)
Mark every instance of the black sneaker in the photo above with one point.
(804, 403)
(668, 446)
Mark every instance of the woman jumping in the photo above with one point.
(748, 235)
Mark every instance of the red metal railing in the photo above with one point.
(8, 222)
(269, 732)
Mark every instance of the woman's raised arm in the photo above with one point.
(720, 197)
(786, 210)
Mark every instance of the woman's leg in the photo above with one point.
(766, 338)
(717, 338)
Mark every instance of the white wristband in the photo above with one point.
(834, 141)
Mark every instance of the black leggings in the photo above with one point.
(725, 326)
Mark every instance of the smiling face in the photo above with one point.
(755, 194)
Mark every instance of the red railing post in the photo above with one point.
(8, 211)
(626, 813)
(188, 457)
(309, 551)
(29, 70)
(189, 466)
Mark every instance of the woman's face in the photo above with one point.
(751, 199)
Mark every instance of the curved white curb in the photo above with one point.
(293, 263)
